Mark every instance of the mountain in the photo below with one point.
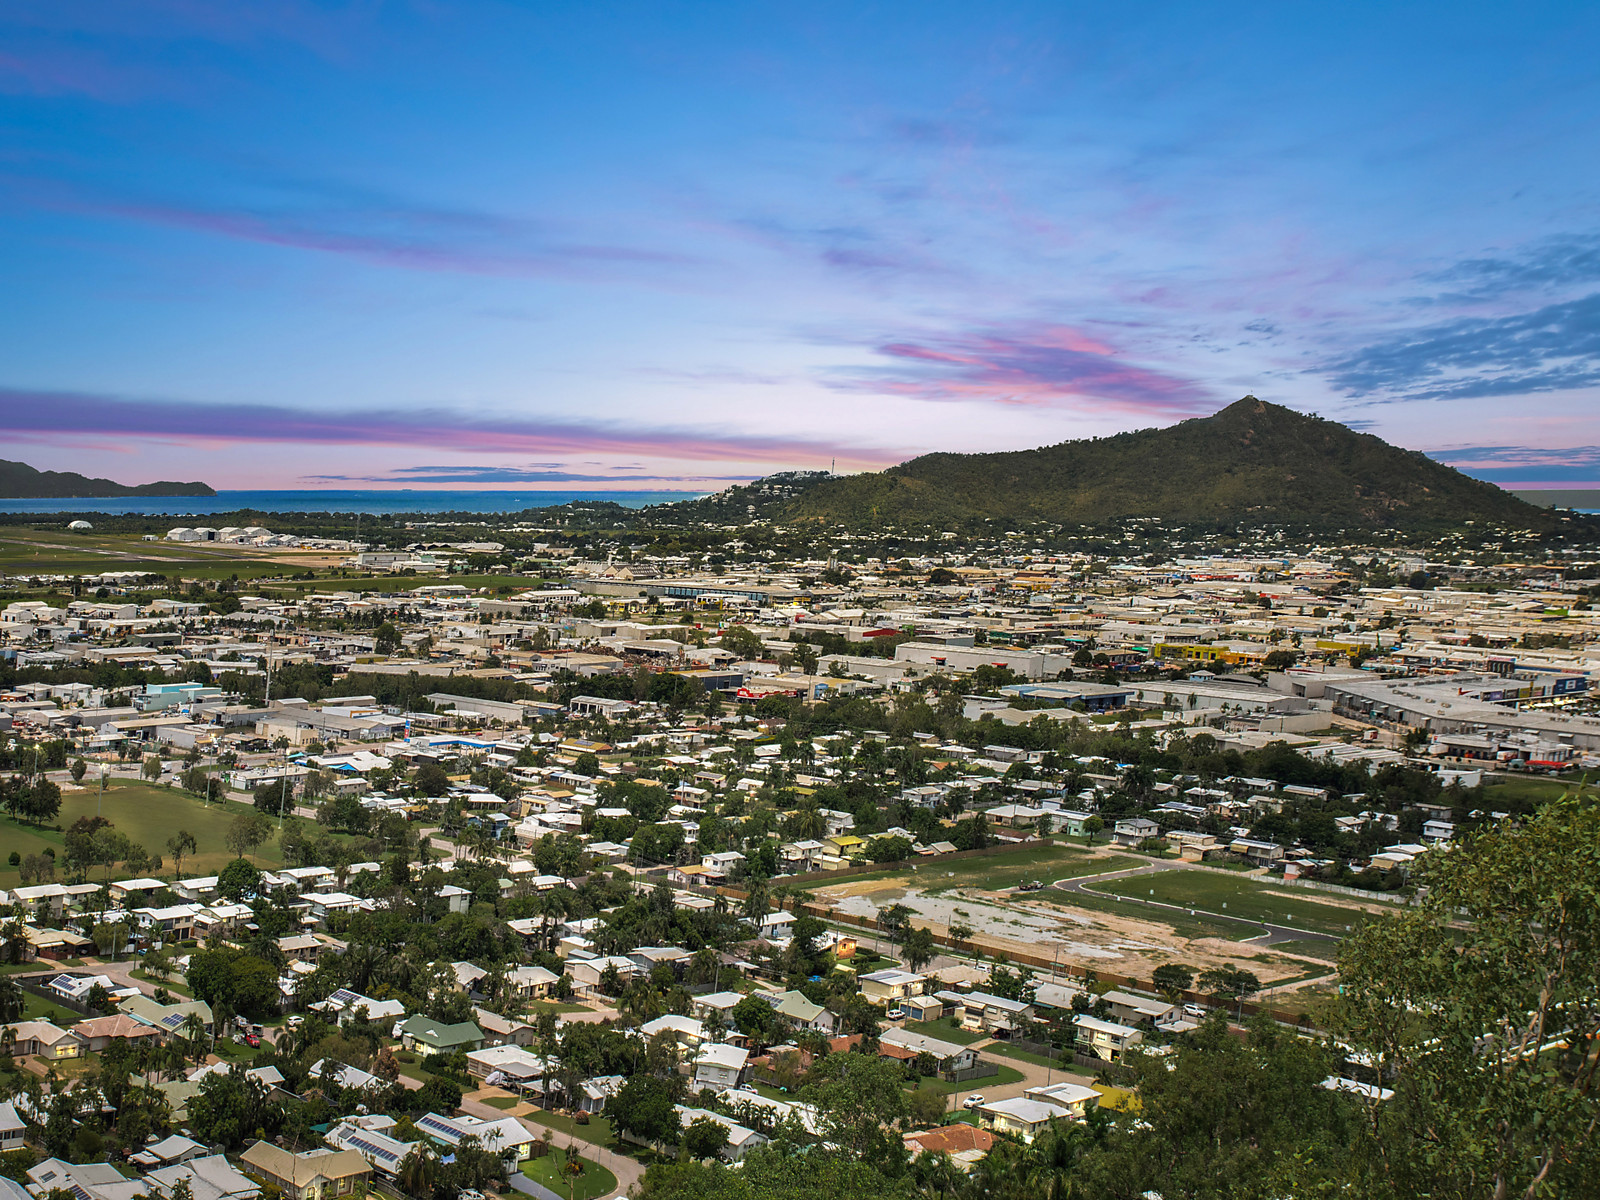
(19, 481)
(1251, 461)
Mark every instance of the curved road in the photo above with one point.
(1267, 933)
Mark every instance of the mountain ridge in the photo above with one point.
(1251, 460)
(19, 481)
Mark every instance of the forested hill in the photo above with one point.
(19, 481)
(1252, 461)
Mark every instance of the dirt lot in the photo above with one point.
(1045, 923)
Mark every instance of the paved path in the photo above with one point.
(1267, 933)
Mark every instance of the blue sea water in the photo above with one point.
(368, 502)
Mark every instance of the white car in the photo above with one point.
(973, 1101)
(1197, 1011)
(896, 1014)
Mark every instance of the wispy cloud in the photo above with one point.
(42, 415)
(1566, 260)
(327, 217)
(1525, 464)
(1030, 366)
(1553, 348)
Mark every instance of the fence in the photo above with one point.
(39, 986)
(1342, 890)
(981, 1071)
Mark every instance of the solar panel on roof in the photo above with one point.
(173, 1020)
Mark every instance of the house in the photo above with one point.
(346, 1005)
(715, 1009)
(435, 1037)
(41, 1038)
(844, 845)
(507, 1137)
(1072, 1098)
(169, 1152)
(965, 1144)
(502, 1031)
(510, 1066)
(531, 983)
(1020, 1116)
(718, 1066)
(368, 1137)
(311, 1175)
(170, 1019)
(903, 1043)
(801, 1013)
(1104, 1039)
(1262, 854)
(686, 1031)
(84, 1181)
(593, 1093)
(99, 1032)
(1131, 1009)
(740, 1139)
(208, 1177)
(326, 1073)
(886, 987)
(1130, 831)
(981, 1012)
(12, 1128)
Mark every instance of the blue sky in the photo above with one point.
(287, 244)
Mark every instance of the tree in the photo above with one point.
(1091, 828)
(246, 832)
(705, 1138)
(960, 932)
(239, 880)
(861, 1101)
(152, 767)
(180, 845)
(1173, 978)
(79, 770)
(246, 982)
(757, 1020)
(430, 780)
(1483, 1006)
(644, 1107)
(918, 948)
(1229, 983)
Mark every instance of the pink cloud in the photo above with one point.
(1032, 366)
(28, 415)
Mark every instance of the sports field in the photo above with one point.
(993, 872)
(149, 816)
(1229, 895)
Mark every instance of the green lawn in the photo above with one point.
(1234, 897)
(36, 1008)
(1007, 1075)
(944, 1031)
(149, 816)
(1501, 792)
(503, 1102)
(1311, 948)
(1001, 1050)
(549, 1171)
(995, 872)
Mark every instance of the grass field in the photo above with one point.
(1001, 1050)
(149, 816)
(1501, 792)
(1234, 897)
(995, 872)
(1008, 1075)
(550, 1171)
(944, 1031)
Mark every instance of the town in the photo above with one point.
(433, 887)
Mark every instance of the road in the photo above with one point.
(1269, 933)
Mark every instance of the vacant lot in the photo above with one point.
(991, 872)
(149, 816)
(1237, 897)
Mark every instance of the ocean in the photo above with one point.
(370, 502)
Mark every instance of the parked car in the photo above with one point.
(973, 1101)
(896, 1014)
(1194, 1010)
(1035, 886)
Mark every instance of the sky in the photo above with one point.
(286, 244)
